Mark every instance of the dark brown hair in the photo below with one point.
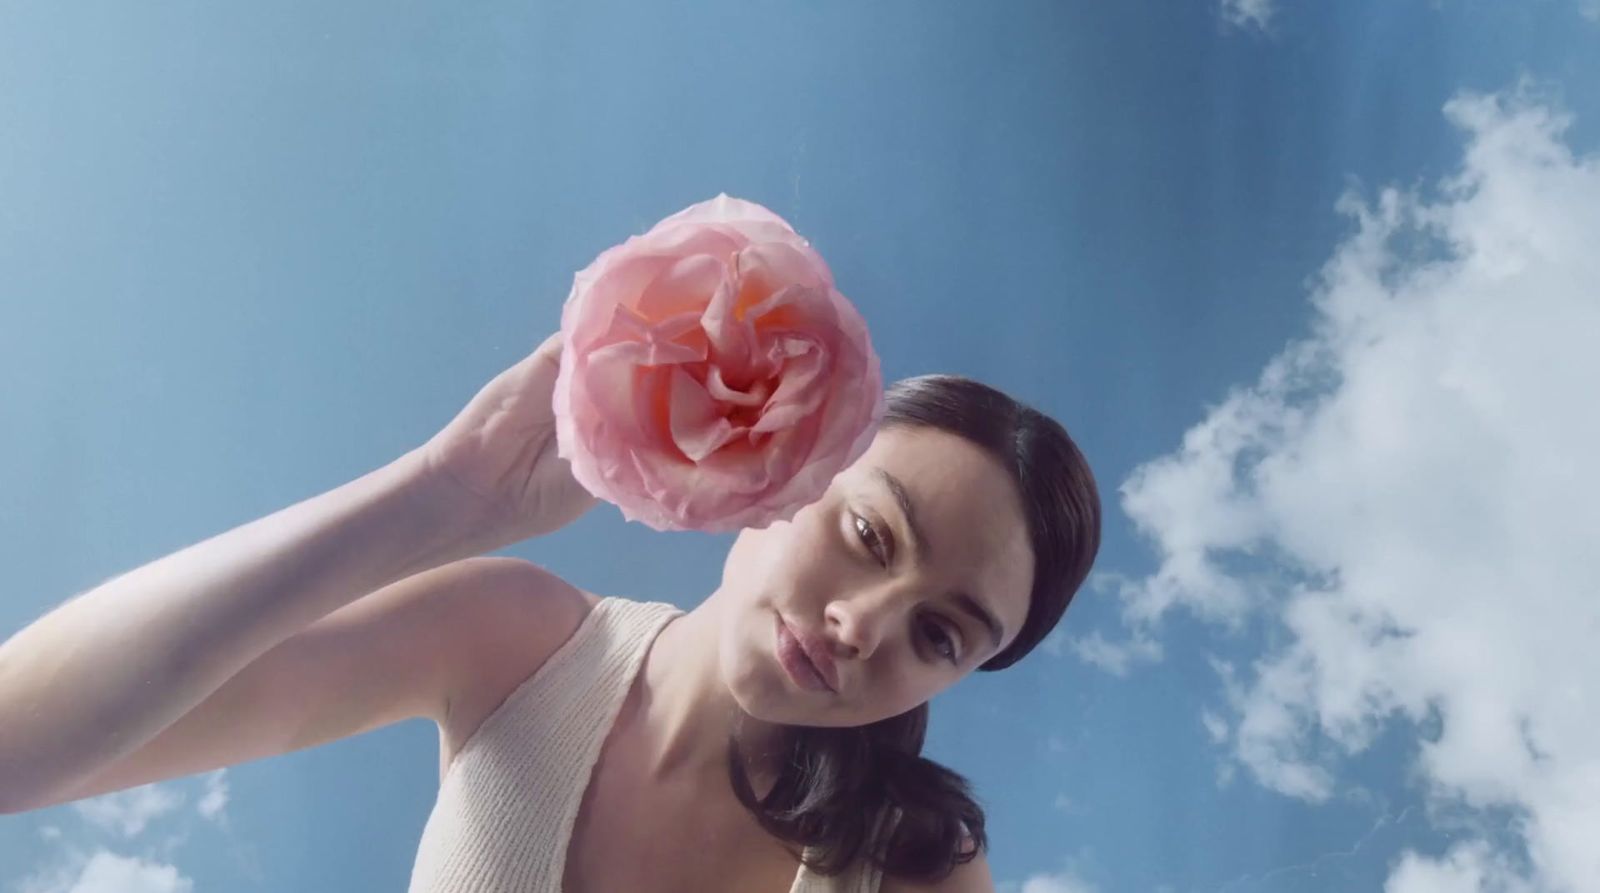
(835, 784)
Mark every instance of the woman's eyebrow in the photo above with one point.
(922, 552)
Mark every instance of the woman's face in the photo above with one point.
(848, 571)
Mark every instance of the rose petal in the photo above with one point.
(802, 387)
(673, 340)
(725, 208)
(714, 377)
(589, 312)
(797, 308)
(733, 340)
(757, 395)
(698, 428)
(684, 241)
(613, 402)
(681, 287)
(773, 266)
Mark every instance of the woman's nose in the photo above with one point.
(856, 627)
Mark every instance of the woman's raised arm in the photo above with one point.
(104, 673)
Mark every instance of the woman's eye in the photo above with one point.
(942, 642)
(869, 535)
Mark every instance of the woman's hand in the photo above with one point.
(498, 456)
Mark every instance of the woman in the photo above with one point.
(766, 740)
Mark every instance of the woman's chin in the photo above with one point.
(766, 697)
(761, 700)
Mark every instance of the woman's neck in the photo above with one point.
(685, 713)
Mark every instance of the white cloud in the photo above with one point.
(1249, 13)
(1116, 658)
(1055, 883)
(215, 798)
(127, 812)
(107, 872)
(71, 868)
(1412, 493)
(1473, 866)
(1589, 9)
(1055, 643)
(1071, 875)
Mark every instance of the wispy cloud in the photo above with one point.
(107, 872)
(1051, 883)
(76, 863)
(1247, 13)
(1411, 493)
(215, 798)
(1116, 658)
(128, 812)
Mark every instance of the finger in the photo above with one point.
(551, 346)
(548, 349)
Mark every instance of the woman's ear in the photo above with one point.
(967, 845)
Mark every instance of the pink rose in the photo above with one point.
(711, 376)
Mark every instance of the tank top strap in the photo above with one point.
(861, 877)
(569, 703)
(507, 805)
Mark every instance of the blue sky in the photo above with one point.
(1310, 285)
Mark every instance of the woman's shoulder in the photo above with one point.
(967, 877)
(528, 618)
(518, 620)
(971, 876)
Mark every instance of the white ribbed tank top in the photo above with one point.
(508, 802)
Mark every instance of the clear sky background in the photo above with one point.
(1313, 285)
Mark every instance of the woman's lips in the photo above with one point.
(792, 653)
